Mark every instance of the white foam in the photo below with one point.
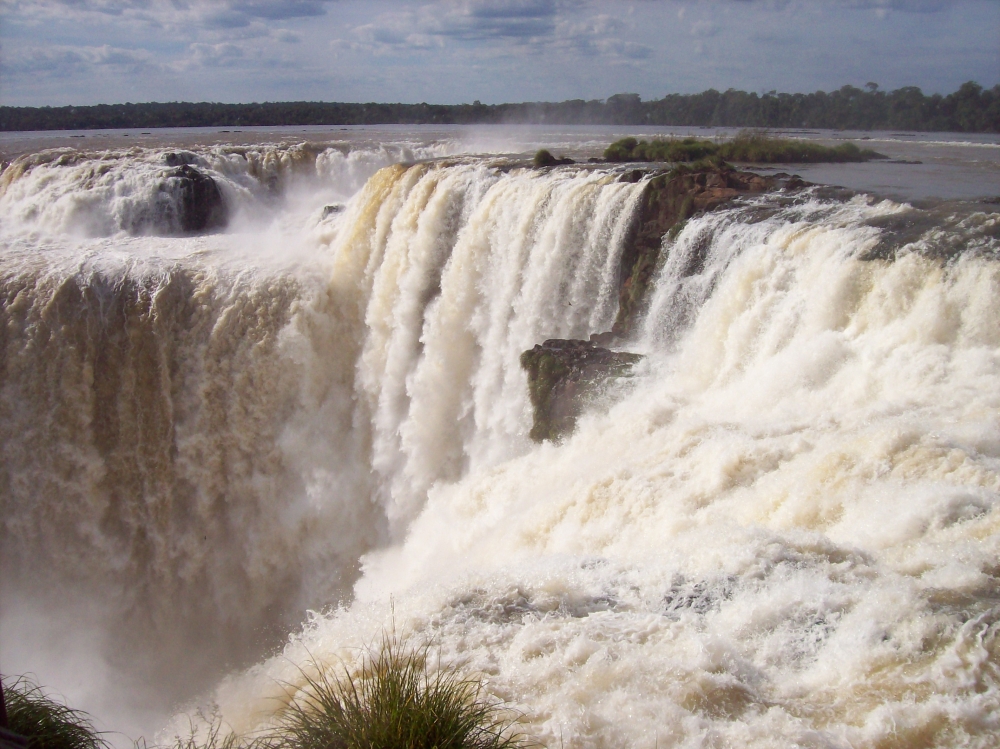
(782, 531)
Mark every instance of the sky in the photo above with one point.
(61, 52)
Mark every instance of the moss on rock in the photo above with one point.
(565, 375)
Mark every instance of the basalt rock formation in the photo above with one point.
(544, 158)
(200, 205)
(564, 375)
(671, 199)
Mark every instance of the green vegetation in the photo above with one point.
(563, 376)
(396, 700)
(687, 149)
(749, 146)
(546, 370)
(756, 147)
(971, 109)
(46, 723)
(544, 158)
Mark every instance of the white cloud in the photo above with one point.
(178, 15)
(704, 28)
(286, 36)
(225, 54)
(67, 59)
(538, 27)
(452, 50)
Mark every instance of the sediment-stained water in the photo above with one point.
(781, 530)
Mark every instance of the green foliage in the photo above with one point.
(544, 158)
(970, 109)
(396, 700)
(46, 723)
(621, 150)
(749, 146)
(715, 161)
(684, 150)
(757, 147)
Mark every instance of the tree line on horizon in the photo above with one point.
(970, 109)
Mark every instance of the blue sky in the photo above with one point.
(450, 51)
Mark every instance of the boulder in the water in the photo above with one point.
(545, 158)
(198, 199)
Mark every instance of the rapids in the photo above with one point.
(783, 530)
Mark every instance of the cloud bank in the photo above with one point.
(90, 51)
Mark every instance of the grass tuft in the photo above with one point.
(396, 700)
(46, 723)
(216, 738)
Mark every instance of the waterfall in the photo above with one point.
(197, 451)
(781, 531)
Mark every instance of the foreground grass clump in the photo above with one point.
(749, 146)
(396, 700)
(47, 724)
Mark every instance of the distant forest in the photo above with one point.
(971, 109)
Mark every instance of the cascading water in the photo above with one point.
(131, 191)
(197, 451)
(782, 531)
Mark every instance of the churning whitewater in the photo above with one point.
(782, 529)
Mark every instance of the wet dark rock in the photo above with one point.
(563, 376)
(329, 210)
(545, 158)
(197, 198)
(603, 339)
(671, 198)
(697, 596)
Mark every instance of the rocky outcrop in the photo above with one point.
(671, 199)
(545, 158)
(197, 199)
(563, 376)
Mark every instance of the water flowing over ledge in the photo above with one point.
(782, 528)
